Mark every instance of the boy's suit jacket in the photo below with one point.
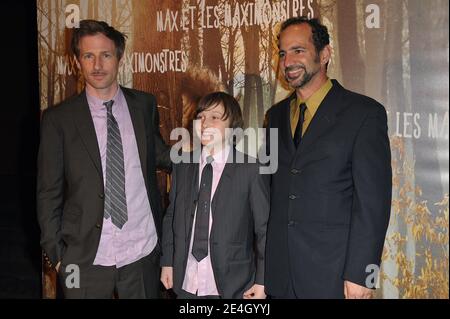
(240, 209)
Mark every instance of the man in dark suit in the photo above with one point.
(97, 198)
(331, 194)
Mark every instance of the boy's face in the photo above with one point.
(210, 126)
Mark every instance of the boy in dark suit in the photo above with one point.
(214, 231)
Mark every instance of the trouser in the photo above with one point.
(138, 280)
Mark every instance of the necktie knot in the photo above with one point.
(209, 159)
(303, 108)
(109, 105)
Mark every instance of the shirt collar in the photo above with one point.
(314, 101)
(220, 157)
(96, 104)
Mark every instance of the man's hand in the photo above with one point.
(58, 265)
(354, 291)
(167, 277)
(255, 292)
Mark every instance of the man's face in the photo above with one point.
(299, 61)
(98, 62)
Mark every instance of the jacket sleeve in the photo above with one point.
(50, 188)
(162, 150)
(260, 206)
(167, 233)
(372, 176)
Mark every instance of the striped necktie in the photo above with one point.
(115, 198)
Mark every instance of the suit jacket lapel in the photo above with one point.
(322, 121)
(83, 121)
(224, 186)
(137, 118)
(285, 127)
(192, 180)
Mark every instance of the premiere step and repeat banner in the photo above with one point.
(394, 51)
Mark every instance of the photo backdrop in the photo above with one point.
(394, 51)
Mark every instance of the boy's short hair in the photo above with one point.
(232, 109)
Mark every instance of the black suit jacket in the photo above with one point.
(70, 192)
(330, 198)
(240, 210)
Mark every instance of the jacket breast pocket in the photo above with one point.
(323, 152)
(326, 147)
(314, 156)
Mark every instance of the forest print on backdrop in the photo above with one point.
(393, 51)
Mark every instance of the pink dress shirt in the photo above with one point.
(199, 277)
(137, 238)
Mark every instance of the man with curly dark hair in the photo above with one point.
(331, 194)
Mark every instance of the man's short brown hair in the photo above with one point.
(93, 27)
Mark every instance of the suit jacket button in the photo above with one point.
(292, 197)
(101, 196)
(291, 223)
(98, 226)
(295, 171)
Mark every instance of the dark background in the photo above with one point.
(20, 254)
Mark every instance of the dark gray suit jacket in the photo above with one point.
(330, 198)
(240, 210)
(70, 194)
